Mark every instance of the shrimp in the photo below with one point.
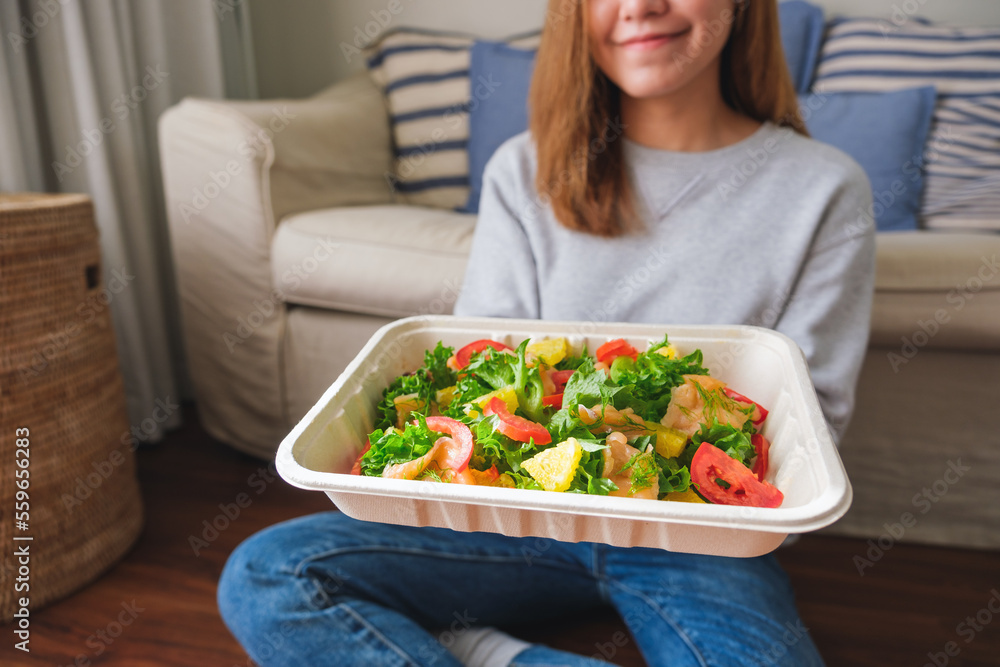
(431, 461)
(616, 456)
(700, 401)
(412, 469)
(609, 418)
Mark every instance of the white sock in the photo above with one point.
(486, 647)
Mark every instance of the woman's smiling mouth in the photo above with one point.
(652, 40)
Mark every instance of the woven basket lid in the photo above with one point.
(34, 200)
(32, 222)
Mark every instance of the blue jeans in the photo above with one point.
(327, 589)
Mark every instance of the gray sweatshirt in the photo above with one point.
(770, 231)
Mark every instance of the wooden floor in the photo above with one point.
(908, 605)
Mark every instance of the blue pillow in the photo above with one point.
(499, 79)
(886, 134)
(802, 29)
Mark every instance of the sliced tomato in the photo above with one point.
(463, 356)
(614, 349)
(762, 447)
(517, 428)
(493, 473)
(758, 416)
(560, 377)
(555, 401)
(356, 470)
(459, 450)
(711, 465)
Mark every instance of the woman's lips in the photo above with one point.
(651, 41)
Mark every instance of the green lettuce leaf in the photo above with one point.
(424, 382)
(589, 387)
(392, 446)
(673, 475)
(734, 442)
(651, 378)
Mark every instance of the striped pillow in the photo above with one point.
(425, 78)
(962, 158)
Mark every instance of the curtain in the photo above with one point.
(82, 84)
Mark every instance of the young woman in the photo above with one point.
(667, 178)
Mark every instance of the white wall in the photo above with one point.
(298, 43)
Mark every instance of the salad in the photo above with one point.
(652, 425)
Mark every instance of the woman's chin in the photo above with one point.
(650, 90)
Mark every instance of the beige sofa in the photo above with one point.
(290, 252)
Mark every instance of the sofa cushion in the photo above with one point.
(503, 114)
(802, 27)
(379, 260)
(938, 290)
(882, 131)
(961, 160)
(425, 78)
(929, 261)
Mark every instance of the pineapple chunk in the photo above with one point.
(445, 396)
(669, 441)
(550, 351)
(670, 352)
(406, 404)
(555, 467)
(505, 394)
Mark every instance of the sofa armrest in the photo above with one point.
(231, 171)
(332, 149)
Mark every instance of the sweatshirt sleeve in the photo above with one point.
(500, 278)
(829, 311)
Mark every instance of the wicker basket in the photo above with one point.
(59, 378)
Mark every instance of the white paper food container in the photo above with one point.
(759, 363)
